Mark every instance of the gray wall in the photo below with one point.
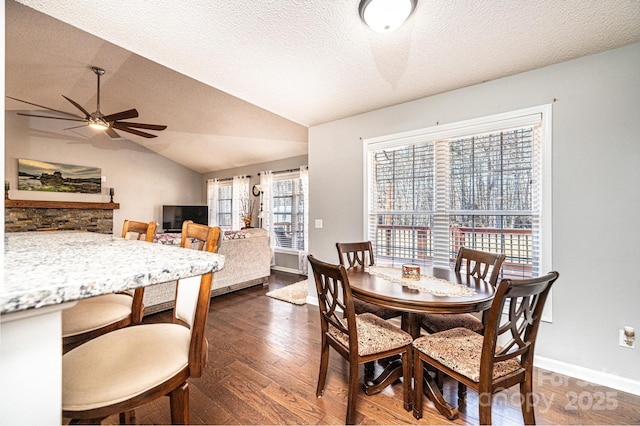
(143, 180)
(283, 261)
(596, 193)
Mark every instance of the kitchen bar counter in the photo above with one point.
(48, 268)
(46, 272)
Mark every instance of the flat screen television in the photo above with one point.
(173, 216)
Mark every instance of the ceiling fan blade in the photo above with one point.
(112, 133)
(50, 109)
(142, 125)
(46, 116)
(77, 105)
(134, 131)
(75, 127)
(122, 115)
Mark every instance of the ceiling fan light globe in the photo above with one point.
(98, 125)
(385, 16)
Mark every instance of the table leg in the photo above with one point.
(411, 324)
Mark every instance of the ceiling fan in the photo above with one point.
(98, 120)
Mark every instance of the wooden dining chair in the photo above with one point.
(476, 263)
(479, 361)
(129, 367)
(196, 236)
(357, 338)
(360, 254)
(93, 317)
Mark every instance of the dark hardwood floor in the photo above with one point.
(263, 366)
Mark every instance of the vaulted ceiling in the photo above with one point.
(238, 82)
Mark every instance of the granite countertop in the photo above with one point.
(48, 268)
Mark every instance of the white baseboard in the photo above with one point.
(288, 270)
(598, 377)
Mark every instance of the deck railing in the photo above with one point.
(415, 244)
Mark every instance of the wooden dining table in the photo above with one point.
(382, 291)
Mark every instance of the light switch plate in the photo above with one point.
(318, 223)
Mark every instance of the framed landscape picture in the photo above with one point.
(34, 175)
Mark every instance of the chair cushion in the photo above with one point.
(460, 349)
(122, 364)
(95, 312)
(364, 307)
(375, 335)
(435, 323)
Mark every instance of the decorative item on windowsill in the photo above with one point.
(111, 193)
(247, 210)
(7, 186)
(411, 271)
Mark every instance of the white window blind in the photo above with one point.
(476, 184)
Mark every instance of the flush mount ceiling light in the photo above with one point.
(384, 16)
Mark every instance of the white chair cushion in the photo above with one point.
(375, 335)
(122, 364)
(460, 349)
(95, 312)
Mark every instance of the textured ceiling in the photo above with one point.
(241, 79)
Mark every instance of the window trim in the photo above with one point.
(539, 114)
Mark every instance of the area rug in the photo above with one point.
(293, 293)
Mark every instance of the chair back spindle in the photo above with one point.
(478, 263)
(360, 255)
(193, 295)
(140, 229)
(186, 298)
(334, 297)
(355, 254)
(515, 333)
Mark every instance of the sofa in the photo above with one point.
(247, 263)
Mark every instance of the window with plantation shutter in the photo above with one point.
(480, 184)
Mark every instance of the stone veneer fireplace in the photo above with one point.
(27, 215)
